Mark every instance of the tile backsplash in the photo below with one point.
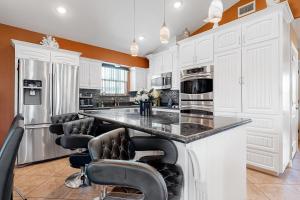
(165, 95)
(108, 100)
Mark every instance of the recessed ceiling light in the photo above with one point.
(61, 10)
(141, 38)
(177, 4)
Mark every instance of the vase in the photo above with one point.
(145, 108)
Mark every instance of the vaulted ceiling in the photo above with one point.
(106, 23)
(109, 23)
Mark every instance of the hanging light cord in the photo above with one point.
(164, 12)
(134, 20)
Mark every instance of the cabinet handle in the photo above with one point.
(243, 37)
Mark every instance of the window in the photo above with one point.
(114, 79)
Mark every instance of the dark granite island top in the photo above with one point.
(181, 127)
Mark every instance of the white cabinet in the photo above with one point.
(61, 57)
(261, 83)
(138, 78)
(198, 51)
(187, 54)
(261, 29)
(31, 52)
(90, 74)
(162, 62)
(167, 58)
(227, 39)
(84, 74)
(95, 74)
(156, 64)
(227, 76)
(175, 71)
(204, 49)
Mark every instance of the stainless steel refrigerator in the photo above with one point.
(44, 89)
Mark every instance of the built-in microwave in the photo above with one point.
(196, 88)
(162, 81)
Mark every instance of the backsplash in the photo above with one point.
(165, 95)
(108, 100)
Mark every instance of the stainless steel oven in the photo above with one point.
(162, 81)
(196, 89)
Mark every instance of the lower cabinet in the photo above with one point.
(264, 160)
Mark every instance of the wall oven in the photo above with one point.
(196, 90)
(162, 81)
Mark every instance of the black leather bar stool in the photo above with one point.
(8, 154)
(150, 178)
(74, 134)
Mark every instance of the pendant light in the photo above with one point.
(215, 12)
(134, 47)
(164, 33)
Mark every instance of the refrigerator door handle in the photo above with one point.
(50, 94)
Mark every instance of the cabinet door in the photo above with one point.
(167, 62)
(261, 29)
(84, 74)
(175, 72)
(228, 39)
(204, 49)
(133, 77)
(141, 79)
(65, 58)
(187, 54)
(157, 64)
(95, 75)
(227, 87)
(261, 82)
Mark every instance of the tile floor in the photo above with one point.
(46, 181)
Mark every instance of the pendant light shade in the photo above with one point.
(134, 47)
(215, 12)
(164, 33)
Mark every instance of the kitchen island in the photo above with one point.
(211, 150)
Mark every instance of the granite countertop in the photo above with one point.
(181, 127)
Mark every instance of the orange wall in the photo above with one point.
(231, 13)
(7, 65)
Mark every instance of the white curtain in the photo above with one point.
(114, 79)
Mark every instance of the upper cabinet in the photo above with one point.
(204, 49)
(90, 74)
(187, 54)
(38, 52)
(198, 51)
(163, 62)
(227, 39)
(167, 61)
(138, 78)
(261, 29)
(156, 64)
(61, 57)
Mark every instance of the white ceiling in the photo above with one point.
(106, 23)
(296, 25)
